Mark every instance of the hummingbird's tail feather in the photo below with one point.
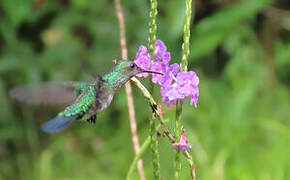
(57, 124)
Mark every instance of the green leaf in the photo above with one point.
(212, 31)
(16, 10)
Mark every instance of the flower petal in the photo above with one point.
(143, 60)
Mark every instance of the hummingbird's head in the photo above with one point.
(130, 68)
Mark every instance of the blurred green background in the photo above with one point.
(239, 49)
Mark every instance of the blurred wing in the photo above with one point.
(48, 93)
(57, 124)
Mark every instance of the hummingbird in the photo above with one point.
(85, 99)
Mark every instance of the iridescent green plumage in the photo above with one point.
(82, 104)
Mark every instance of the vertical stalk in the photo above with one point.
(177, 135)
(154, 149)
(152, 27)
(128, 88)
(153, 129)
(183, 67)
(186, 36)
(152, 35)
(162, 126)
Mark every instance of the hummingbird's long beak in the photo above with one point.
(154, 72)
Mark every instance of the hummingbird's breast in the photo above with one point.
(104, 102)
(104, 98)
(110, 84)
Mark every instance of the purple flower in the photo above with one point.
(175, 85)
(143, 60)
(167, 79)
(168, 72)
(183, 142)
(188, 85)
(170, 94)
(161, 60)
(161, 52)
(174, 68)
(184, 85)
(160, 64)
(159, 67)
(181, 146)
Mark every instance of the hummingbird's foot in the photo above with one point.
(81, 115)
(92, 119)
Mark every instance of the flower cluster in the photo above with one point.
(183, 142)
(175, 85)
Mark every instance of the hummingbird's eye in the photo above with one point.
(132, 65)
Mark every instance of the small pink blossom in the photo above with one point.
(183, 142)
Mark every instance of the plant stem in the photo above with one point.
(183, 67)
(163, 124)
(137, 157)
(186, 36)
(154, 148)
(152, 102)
(153, 129)
(152, 35)
(177, 135)
(152, 27)
(128, 88)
